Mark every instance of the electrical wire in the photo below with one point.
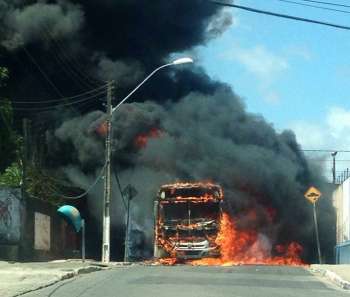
(89, 188)
(280, 15)
(47, 108)
(23, 101)
(119, 186)
(77, 66)
(314, 6)
(42, 71)
(65, 62)
(327, 3)
(324, 150)
(320, 160)
(67, 69)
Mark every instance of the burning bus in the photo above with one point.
(187, 220)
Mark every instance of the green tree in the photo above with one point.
(12, 177)
(4, 74)
(10, 143)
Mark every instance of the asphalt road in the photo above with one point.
(161, 281)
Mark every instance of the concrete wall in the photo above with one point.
(31, 230)
(46, 235)
(10, 219)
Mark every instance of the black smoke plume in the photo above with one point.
(192, 127)
(121, 39)
(209, 137)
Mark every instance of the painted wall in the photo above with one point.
(31, 230)
(10, 215)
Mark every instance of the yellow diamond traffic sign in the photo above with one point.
(312, 194)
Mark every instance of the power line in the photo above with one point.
(48, 35)
(80, 195)
(321, 160)
(60, 61)
(47, 108)
(324, 150)
(66, 63)
(281, 15)
(327, 3)
(314, 6)
(42, 72)
(23, 100)
(89, 188)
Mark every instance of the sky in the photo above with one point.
(295, 74)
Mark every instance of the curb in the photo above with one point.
(333, 277)
(64, 276)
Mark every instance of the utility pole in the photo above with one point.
(107, 179)
(333, 168)
(317, 236)
(126, 240)
(25, 156)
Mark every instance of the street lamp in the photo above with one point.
(107, 185)
(176, 62)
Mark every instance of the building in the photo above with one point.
(341, 201)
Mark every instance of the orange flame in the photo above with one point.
(142, 139)
(247, 247)
(102, 129)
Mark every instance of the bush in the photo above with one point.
(12, 177)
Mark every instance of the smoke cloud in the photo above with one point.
(125, 73)
(117, 40)
(185, 126)
(212, 137)
(24, 24)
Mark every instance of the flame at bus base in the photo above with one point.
(245, 247)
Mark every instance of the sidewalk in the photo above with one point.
(19, 278)
(338, 274)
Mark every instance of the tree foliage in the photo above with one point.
(38, 183)
(4, 74)
(11, 142)
(12, 177)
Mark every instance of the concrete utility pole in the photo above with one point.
(333, 168)
(107, 193)
(107, 179)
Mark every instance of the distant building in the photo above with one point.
(341, 200)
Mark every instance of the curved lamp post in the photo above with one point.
(107, 186)
(176, 62)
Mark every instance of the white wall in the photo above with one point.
(42, 232)
(341, 198)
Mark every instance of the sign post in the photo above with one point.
(129, 192)
(83, 240)
(313, 194)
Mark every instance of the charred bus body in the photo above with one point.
(187, 220)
